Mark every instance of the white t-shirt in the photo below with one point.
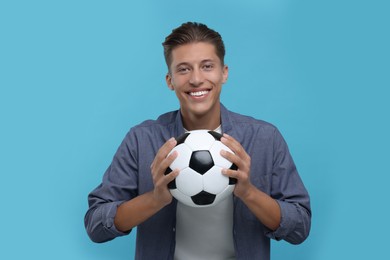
(205, 233)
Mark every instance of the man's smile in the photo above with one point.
(199, 93)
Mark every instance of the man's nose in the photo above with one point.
(196, 77)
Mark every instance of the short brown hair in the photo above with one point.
(192, 32)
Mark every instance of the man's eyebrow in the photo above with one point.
(207, 60)
(189, 64)
(181, 64)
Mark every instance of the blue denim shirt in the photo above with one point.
(272, 171)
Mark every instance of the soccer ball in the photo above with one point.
(200, 182)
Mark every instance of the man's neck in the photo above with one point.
(197, 122)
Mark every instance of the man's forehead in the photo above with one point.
(194, 52)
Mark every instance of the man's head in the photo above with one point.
(196, 72)
(192, 32)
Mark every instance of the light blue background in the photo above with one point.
(76, 75)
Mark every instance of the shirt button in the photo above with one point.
(174, 229)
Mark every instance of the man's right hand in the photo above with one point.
(158, 168)
(135, 211)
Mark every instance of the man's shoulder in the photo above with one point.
(249, 130)
(162, 120)
(152, 131)
(165, 123)
(245, 121)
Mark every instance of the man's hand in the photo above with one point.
(159, 165)
(265, 208)
(243, 162)
(135, 211)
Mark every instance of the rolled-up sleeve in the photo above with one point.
(119, 184)
(99, 222)
(291, 195)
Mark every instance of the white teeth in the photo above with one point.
(199, 93)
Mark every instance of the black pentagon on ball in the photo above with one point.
(233, 180)
(201, 161)
(172, 184)
(217, 136)
(182, 138)
(203, 198)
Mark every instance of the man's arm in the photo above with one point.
(265, 208)
(287, 213)
(133, 212)
(114, 206)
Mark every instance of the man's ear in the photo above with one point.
(168, 79)
(225, 73)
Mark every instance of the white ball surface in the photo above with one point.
(189, 182)
(214, 181)
(183, 159)
(200, 182)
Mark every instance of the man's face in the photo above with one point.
(196, 75)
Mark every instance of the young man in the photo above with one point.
(269, 199)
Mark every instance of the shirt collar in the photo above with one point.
(225, 122)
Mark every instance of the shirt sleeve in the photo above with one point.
(291, 195)
(119, 184)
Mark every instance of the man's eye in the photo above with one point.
(208, 66)
(183, 70)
